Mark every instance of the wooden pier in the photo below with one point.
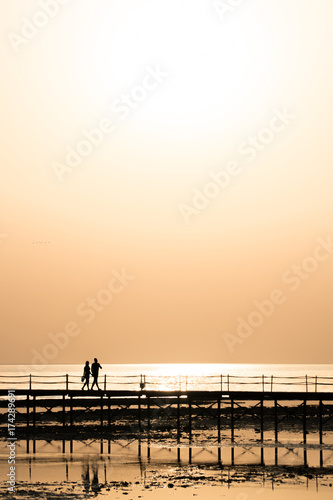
(181, 408)
(146, 410)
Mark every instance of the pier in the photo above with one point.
(148, 407)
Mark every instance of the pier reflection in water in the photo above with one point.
(99, 464)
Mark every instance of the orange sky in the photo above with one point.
(165, 165)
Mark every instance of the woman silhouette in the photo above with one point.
(86, 374)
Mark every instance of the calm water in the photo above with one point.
(178, 376)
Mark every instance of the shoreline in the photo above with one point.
(176, 478)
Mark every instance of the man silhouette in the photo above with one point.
(94, 371)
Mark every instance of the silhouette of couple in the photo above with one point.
(94, 372)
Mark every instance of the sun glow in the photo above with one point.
(210, 63)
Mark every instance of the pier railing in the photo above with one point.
(223, 383)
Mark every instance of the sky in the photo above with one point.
(166, 187)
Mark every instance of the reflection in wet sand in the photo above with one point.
(90, 476)
(83, 469)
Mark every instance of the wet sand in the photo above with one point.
(196, 481)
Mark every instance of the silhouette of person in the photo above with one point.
(94, 482)
(86, 374)
(94, 371)
(85, 477)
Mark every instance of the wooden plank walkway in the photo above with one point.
(192, 394)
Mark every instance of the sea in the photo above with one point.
(298, 377)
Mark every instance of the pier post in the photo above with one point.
(148, 414)
(219, 429)
(190, 420)
(262, 421)
(276, 420)
(105, 382)
(139, 413)
(102, 410)
(28, 416)
(28, 421)
(321, 421)
(219, 421)
(148, 427)
(178, 419)
(34, 411)
(304, 434)
(109, 412)
(63, 411)
(304, 421)
(232, 421)
(71, 411)
(30, 382)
